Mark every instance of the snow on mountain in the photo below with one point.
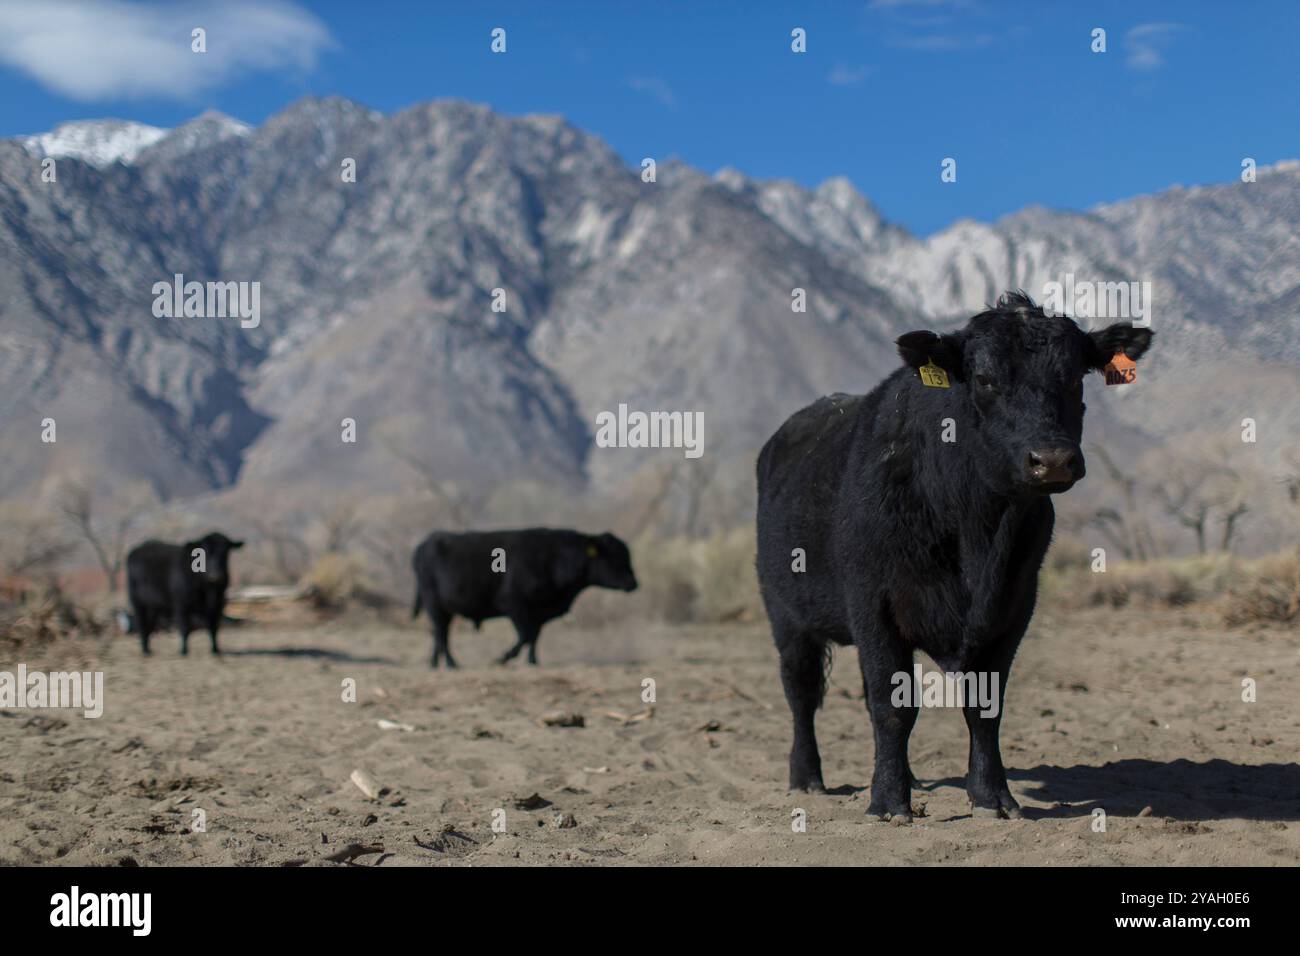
(98, 142)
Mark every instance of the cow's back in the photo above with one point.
(460, 567)
(801, 466)
(801, 471)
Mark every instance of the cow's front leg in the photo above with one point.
(986, 779)
(183, 625)
(214, 622)
(882, 657)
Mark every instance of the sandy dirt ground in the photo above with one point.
(1146, 723)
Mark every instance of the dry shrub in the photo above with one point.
(1246, 590)
(331, 582)
(337, 582)
(1273, 596)
(682, 581)
(46, 617)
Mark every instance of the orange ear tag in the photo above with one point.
(932, 375)
(1121, 370)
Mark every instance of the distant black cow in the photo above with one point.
(913, 542)
(165, 589)
(530, 576)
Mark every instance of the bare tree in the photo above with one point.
(31, 542)
(1185, 491)
(1233, 495)
(462, 506)
(1128, 527)
(342, 526)
(699, 476)
(105, 525)
(290, 555)
(665, 478)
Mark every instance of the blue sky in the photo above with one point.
(886, 90)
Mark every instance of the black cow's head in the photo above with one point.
(609, 563)
(216, 549)
(1020, 374)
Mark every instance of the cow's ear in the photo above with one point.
(945, 351)
(237, 544)
(1120, 337)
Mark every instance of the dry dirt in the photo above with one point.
(1118, 711)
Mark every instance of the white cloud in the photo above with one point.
(654, 86)
(108, 49)
(843, 75)
(944, 42)
(1146, 43)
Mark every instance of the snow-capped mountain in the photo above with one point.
(376, 300)
(98, 142)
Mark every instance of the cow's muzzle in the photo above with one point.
(1053, 468)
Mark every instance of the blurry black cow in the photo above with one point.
(530, 576)
(165, 588)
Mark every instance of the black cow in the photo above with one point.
(164, 587)
(916, 543)
(530, 576)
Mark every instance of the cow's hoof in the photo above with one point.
(886, 813)
(899, 819)
(808, 786)
(1011, 812)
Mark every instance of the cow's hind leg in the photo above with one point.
(803, 674)
(143, 625)
(532, 646)
(214, 622)
(525, 636)
(441, 632)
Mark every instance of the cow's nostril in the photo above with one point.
(1052, 465)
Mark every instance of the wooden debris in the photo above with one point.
(352, 851)
(562, 718)
(631, 718)
(367, 785)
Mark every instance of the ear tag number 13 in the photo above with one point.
(932, 375)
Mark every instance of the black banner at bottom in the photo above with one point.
(369, 904)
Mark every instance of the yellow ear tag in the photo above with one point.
(591, 550)
(1121, 370)
(932, 375)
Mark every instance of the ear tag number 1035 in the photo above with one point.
(1121, 370)
(932, 375)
